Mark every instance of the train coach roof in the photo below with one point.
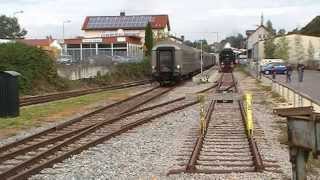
(169, 43)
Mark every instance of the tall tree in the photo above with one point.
(299, 49)
(188, 43)
(205, 45)
(269, 27)
(10, 28)
(312, 28)
(148, 39)
(235, 41)
(269, 47)
(311, 51)
(282, 48)
(281, 32)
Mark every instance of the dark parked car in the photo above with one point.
(279, 68)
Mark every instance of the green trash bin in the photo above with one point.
(9, 94)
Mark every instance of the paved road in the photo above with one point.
(309, 86)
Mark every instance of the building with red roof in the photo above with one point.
(48, 44)
(115, 35)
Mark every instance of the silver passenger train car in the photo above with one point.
(173, 61)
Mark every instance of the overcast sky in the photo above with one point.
(189, 17)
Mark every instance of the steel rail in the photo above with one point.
(25, 101)
(190, 167)
(70, 122)
(15, 173)
(7, 156)
(88, 128)
(257, 159)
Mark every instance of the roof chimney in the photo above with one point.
(122, 13)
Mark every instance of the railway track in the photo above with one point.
(224, 145)
(25, 101)
(9, 154)
(27, 157)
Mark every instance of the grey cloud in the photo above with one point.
(187, 17)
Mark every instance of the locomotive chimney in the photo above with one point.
(182, 38)
(122, 13)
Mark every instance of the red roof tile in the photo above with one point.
(36, 42)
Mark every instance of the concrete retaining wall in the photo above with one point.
(81, 71)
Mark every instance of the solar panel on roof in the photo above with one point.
(119, 21)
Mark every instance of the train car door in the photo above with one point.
(165, 60)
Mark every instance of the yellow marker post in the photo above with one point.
(202, 114)
(248, 110)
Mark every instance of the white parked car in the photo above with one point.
(65, 59)
(264, 62)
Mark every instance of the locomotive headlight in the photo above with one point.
(178, 66)
(153, 67)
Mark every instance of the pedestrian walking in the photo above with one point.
(273, 71)
(300, 68)
(289, 73)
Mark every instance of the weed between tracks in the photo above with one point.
(37, 115)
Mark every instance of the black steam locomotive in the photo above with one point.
(227, 60)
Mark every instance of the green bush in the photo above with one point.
(34, 64)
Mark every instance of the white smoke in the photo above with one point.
(227, 46)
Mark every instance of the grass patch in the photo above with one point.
(312, 165)
(275, 95)
(243, 70)
(278, 97)
(34, 116)
(265, 88)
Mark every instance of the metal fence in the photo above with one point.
(291, 95)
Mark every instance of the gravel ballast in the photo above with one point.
(150, 151)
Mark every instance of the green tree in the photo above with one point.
(188, 43)
(205, 45)
(34, 64)
(281, 32)
(235, 41)
(311, 51)
(282, 49)
(10, 28)
(312, 28)
(299, 49)
(269, 27)
(269, 47)
(148, 39)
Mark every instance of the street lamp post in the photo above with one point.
(64, 22)
(17, 12)
(201, 60)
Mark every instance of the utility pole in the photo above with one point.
(201, 60)
(64, 22)
(17, 12)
